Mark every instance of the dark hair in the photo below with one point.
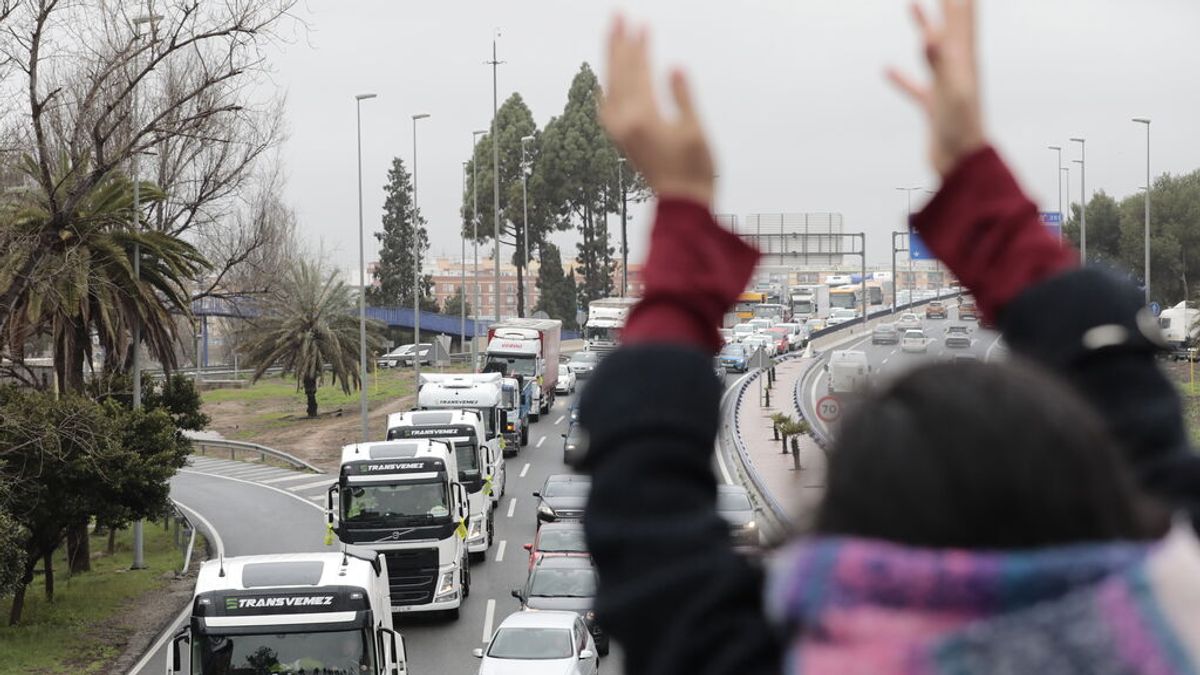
(980, 456)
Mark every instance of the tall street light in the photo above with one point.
(495, 63)
(362, 283)
(624, 243)
(475, 238)
(462, 277)
(525, 205)
(139, 560)
(1058, 149)
(912, 283)
(416, 227)
(1083, 198)
(1146, 121)
(1066, 170)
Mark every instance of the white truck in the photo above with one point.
(404, 500)
(464, 430)
(527, 349)
(483, 393)
(810, 302)
(1181, 329)
(849, 371)
(606, 318)
(293, 613)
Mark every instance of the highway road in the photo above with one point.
(889, 361)
(247, 509)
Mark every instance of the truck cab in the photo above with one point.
(404, 500)
(526, 349)
(301, 612)
(463, 429)
(480, 392)
(515, 399)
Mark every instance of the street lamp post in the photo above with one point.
(624, 241)
(1083, 199)
(475, 238)
(416, 227)
(495, 63)
(1146, 121)
(525, 205)
(139, 560)
(1058, 149)
(911, 279)
(362, 283)
(1066, 170)
(462, 276)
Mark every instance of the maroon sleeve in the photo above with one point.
(989, 233)
(694, 273)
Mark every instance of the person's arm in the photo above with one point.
(672, 592)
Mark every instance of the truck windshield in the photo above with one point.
(511, 366)
(802, 307)
(347, 652)
(407, 503)
(601, 334)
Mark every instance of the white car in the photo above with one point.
(914, 341)
(393, 358)
(753, 342)
(540, 643)
(742, 331)
(908, 321)
(841, 315)
(797, 336)
(761, 324)
(566, 380)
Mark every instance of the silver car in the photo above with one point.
(536, 643)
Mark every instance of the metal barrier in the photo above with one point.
(181, 517)
(202, 445)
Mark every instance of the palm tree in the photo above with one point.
(309, 327)
(79, 275)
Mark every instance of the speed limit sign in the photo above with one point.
(829, 409)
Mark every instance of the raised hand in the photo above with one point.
(672, 154)
(952, 99)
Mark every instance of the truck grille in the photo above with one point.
(412, 575)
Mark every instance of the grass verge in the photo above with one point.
(82, 630)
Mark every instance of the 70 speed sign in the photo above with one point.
(829, 409)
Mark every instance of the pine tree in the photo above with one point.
(454, 304)
(556, 289)
(394, 274)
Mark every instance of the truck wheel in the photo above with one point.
(465, 579)
(525, 436)
(534, 416)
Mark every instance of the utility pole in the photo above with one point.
(1083, 200)
(462, 276)
(495, 63)
(416, 232)
(624, 234)
(475, 231)
(1146, 121)
(362, 282)
(525, 204)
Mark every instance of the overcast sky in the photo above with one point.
(791, 91)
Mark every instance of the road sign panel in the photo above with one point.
(760, 359)
(917, 250)
(1053, 221)
(1155, 308)
(829, 409)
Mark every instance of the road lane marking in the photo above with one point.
(884, 362)
(525, 469)
(308, 486)
(283, 479)
(297, 497)
(183, 615)
(559, 420)
(512, 506)
(488, 617)
(500, 550)
(987, 356)
(540, 441)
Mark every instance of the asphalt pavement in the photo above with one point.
(247, 509)
(890, 361)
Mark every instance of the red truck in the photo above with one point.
(527, 349)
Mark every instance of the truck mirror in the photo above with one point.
(537, 494)
(516, 593)
(176, 661)
(330, 516)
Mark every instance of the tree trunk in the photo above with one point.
(68, 356)
(48, 570)
(112, 541)
(18, 601)
(79, 548)
(310, 393)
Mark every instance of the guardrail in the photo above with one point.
(235, 447)
(765, 502)
(181, 517)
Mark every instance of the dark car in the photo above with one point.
(583, 363)
(885, 334)
(733, 504)
(957, 337)
(574, 445)
(562, 497)
(564, 583)
(557, 539)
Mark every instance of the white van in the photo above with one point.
(848, 372)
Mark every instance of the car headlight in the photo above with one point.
(476, 531)
(751, 525)
(446, 585)
(569, 446)
(589, 616)
(545, 510)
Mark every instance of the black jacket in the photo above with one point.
(672, 591)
